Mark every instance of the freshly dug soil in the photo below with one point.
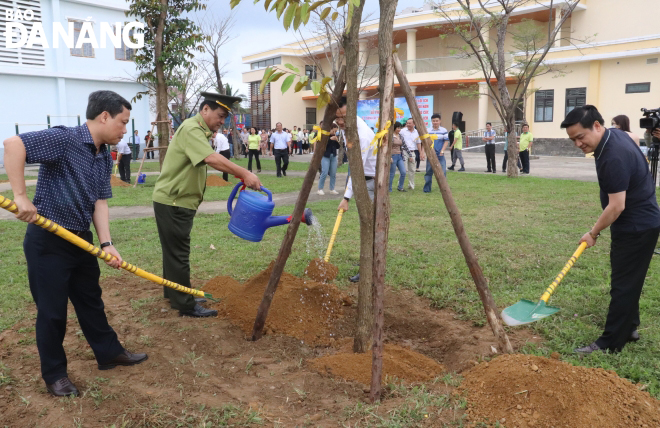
(216, 181)
(528, 391)
(115, 182)
(321, 271)
(398, 362)
(303, 309)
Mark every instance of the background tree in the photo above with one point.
(170, 40)
(474, 23)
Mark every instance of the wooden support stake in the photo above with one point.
(382, 222)
(492, 313)
(287, 242)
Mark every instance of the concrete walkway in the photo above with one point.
(567, 168)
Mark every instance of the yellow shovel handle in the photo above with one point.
(552, 287)
(333, 236)
(58, 230)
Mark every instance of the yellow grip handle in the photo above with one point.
(552, 287)
(58, 230)
(333, 236)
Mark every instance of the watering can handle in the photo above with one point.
(233, 193)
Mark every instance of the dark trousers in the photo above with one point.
(506, 159)
(226, 154)
(417, 158)
(125, 168)
(524, 159)
(630, 256)
(58, 271)
(281, 156)
(150, 155)
(174, 225)
(255, 153)
(490, 157)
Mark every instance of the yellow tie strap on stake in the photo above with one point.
(319, 133)
(333, 236)
(58, 230)
(378, 138)
(431, 136)
(398, 111)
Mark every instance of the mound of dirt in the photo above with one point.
(303, 309)
(216, 181)
(115, 182)
(397, 362)
(528, 391)
(321, 271)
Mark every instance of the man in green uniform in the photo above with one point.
(180, 189)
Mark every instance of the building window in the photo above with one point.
(544, 105)
(23, 56)
(266, 63)
(260, 106)
(310, 117)
(638, 88)
(576, 97)
(310, 72)
(125, 53)
(86, 50)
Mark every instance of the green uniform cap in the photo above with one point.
(225, 101)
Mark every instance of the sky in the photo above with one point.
(257, 30)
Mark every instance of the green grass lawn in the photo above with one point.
(267, 164)
(141, 195)
(523, 232)
(3, 177)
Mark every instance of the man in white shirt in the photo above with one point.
(124, 161)
(369, 155)
(489, 140)
(222, 146)
(301, 140)
(280, 145)
(410, 138)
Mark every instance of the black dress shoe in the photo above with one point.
(199, 311)
(355, 278)
(62, 388)
(284, 173)
(451, 168)
(634, 336)
(124, 359)
(200, 300)
(589, 349)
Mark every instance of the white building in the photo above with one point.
(38, 82)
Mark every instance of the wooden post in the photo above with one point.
(492, 313)
(287, 242)
(382, 194)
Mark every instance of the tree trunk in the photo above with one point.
(492, 313)
(235, 137)
(361, 195)
(512, 151)
(161, 84)
(287, 242)
(382, 194)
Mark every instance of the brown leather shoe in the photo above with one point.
(124, 359)
(63, 388)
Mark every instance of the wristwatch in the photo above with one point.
(347, 199)
(106, 244)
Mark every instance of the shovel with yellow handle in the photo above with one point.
(58, 230)
(333, 236)
(526, 311)
(320, 269)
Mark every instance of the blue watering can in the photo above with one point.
(252, 214)
(142, 178)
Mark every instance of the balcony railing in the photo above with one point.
(431, 65)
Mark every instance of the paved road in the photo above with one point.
(567, 168)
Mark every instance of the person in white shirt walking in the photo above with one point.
(410, 138)
(124, 161)
(366, 136)
(280, 145)
(222, 147)
(489, 140)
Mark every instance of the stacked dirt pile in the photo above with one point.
(115, 182)
(528, 391)
(303, 309)
(321, 271)
(398, 362)
(216, 181)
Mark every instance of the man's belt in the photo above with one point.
(368, 178)
(78, 232)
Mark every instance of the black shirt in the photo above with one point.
(331, 148)
(621, 166)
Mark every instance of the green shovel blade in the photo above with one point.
(526, 311)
